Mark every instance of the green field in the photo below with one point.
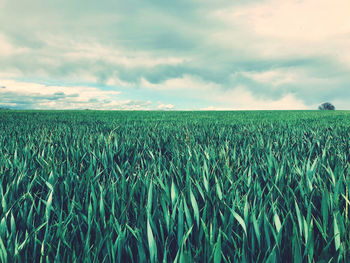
(100, 186)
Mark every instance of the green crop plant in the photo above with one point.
(108, 186)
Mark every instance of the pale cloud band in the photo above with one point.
(22, 95)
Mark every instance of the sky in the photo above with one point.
(174, 55)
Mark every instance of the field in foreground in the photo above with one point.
(184, 186)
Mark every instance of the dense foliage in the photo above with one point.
(184, 186)
(326, 106)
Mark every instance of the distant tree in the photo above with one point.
(326, 106)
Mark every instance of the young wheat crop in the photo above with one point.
(98, 186)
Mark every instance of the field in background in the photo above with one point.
(186, 186)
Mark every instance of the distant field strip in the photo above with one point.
(99, 186)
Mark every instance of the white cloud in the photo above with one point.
(287, 29)
(165, 106)
(41, 96)
(273, 77)
(20, 94)
(239, 98)
(35, 88)
(310, 20)
(186, 83)
(242, 99)
(287, 102)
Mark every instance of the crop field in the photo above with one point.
(99, 186)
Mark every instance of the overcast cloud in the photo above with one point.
(192, 54)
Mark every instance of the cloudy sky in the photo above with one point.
(183, 54)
